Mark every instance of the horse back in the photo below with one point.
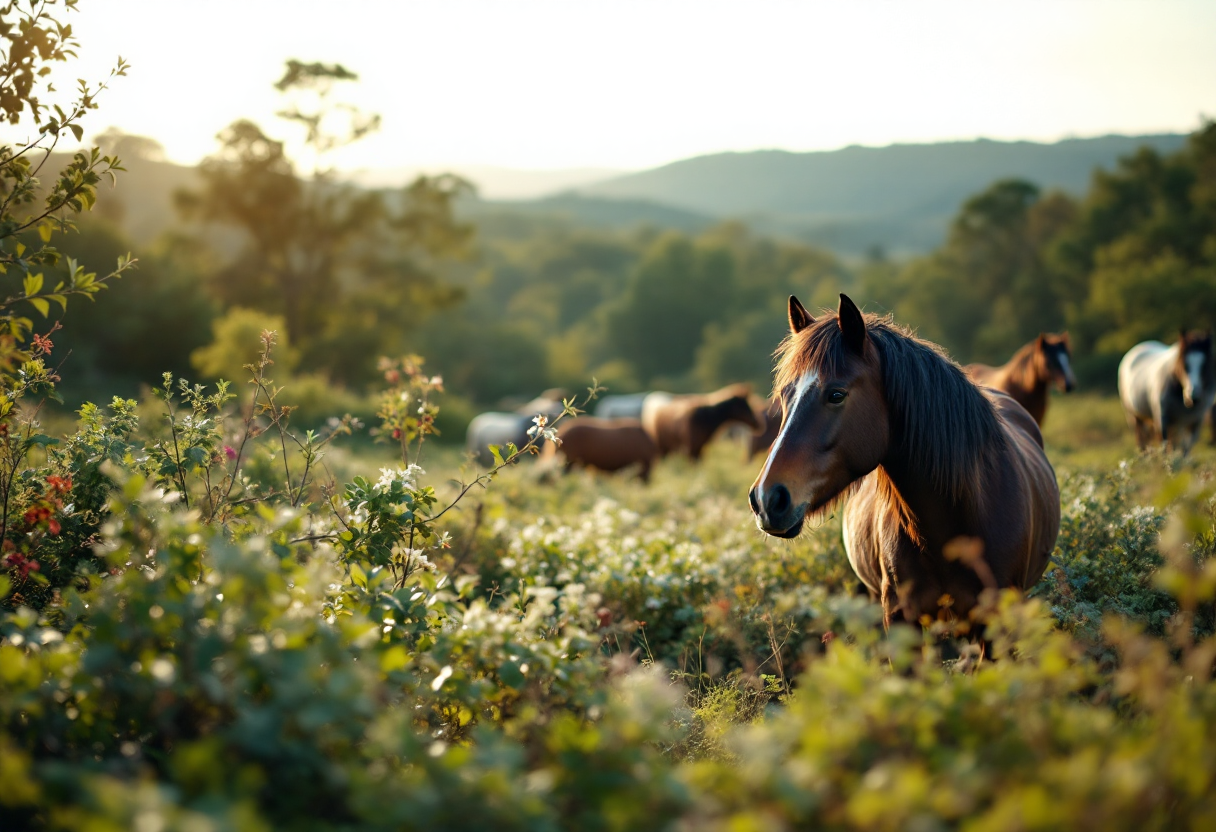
(982, 374)
(607, 444)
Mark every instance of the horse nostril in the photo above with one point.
(753, 502)
(778, 501)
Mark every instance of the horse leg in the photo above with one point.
(1143, 431)
(1137, 425)
(1161, 428)
(1191, 436)
(644, 472)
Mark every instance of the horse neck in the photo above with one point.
(717, 413)
(928, 514)
(1026, 371)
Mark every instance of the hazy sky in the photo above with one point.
(545, 85)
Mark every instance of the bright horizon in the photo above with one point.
(553, 86)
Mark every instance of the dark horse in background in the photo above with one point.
(762, 439)
(1167, 391)
(686, 424)
(1032, 370)
(951, 492)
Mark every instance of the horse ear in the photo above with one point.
(852, 324)
(1041, 341)
(800, 319)
(1182, 336)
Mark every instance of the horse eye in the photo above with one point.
(836, 396)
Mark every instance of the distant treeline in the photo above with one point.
(526, 304)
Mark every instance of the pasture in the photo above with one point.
(585, 651)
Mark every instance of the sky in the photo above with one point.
(629, 85)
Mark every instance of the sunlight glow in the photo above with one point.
(547, 85)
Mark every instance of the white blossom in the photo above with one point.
(408, 477)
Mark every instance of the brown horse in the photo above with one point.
(951, 490)
(1030, 372)
(687, 423)
(763, 439)
(606, 444)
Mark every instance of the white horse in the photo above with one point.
(628, 406)
(1167, 391)
(493, 428)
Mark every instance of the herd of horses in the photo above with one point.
(949, 490)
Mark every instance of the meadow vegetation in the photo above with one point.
(230, 605)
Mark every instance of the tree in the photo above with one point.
(32, 40)
(348, 269)
(676, 290)
(990, 288)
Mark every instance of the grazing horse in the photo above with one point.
(549, 404)
(951, 491)
(605, 444)
(1030, 372)
(687, 423)
(500, 428)
(763, 439)
(627, 406)
(494, 428)
(1167, 391)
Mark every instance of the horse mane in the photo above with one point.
(941, 423)
(1022, 369)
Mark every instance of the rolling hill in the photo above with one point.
(900, 197)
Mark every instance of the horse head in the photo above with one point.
(835, 427)
(1055, 360)
(1194, 368)
(739, 407)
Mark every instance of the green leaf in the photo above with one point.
(44, 231)
(511, 675)
(358, 575)
(33, 284)
(5, 585)
(41, 305)
(395, 658)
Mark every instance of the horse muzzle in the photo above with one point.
(776, 513)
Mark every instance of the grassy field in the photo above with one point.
(587, 652)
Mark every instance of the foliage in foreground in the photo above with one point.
(589, 655)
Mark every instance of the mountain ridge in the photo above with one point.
(841, 197)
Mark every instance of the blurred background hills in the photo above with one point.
(899, 198)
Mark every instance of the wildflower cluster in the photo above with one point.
(406, 410)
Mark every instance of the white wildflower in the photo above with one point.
(408, 477)
(539, 421)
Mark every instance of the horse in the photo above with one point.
(949, 491)
(606, 445)
(762, 440)
(1167, 391)
(628, 406)
(548, 404)
(1033, 368)
(500, 427)
(495, 428)
(687, 423)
